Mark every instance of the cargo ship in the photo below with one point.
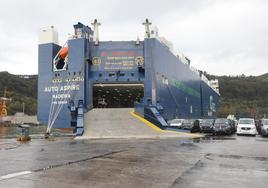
(86, 73)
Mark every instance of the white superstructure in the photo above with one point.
(214, 84)
(48, 35)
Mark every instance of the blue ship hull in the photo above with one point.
(169, 88)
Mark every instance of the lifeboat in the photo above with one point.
(64, 52)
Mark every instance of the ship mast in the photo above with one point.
(147, 28)
(96, 25)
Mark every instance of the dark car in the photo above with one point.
(224, 126)
(206, 125)
(264, 127)
(191, 124)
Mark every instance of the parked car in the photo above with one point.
(191, 124)
(224, 126)
(264, 127)
(196, 127)
(176, 123)
(187, 124)
(206, 125)
(246, 126)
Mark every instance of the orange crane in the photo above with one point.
(3, 103)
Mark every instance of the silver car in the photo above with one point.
(175, 123)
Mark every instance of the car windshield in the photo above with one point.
(207, 121)
(221, 121)
(265, 121)
(176, 121)
(188, 121)
(246, 121)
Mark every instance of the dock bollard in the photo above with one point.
(46, 135)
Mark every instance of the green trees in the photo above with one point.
(22, 89)
(243, 95)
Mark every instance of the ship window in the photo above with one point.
(111, 74)
(132, 74)
(122, 74)
(60, 64)
(100, 75)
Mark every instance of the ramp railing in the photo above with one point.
(151, 114)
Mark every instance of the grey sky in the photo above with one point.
(220, 36)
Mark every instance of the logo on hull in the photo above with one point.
(139, 60)
(96, 61)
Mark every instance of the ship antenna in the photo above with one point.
(138, 40)
(147, 27)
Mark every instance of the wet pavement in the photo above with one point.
(35, 132)
(206, 162)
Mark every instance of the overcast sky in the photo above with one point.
(222, 37)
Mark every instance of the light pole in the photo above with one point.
(23, 107)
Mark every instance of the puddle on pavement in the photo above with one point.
(262, 139)
(211, 139)
(7, 144)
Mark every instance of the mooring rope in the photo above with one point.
(59, 104)
(52, 106)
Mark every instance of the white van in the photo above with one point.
(246, 126)
(175, 123)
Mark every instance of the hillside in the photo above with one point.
(243, 95)
(22, 90)
(240, 95)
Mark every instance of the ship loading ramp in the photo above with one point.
(123, 123)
